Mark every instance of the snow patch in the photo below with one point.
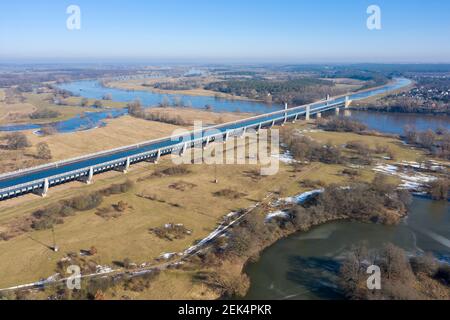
(167, 256)
(300, 198)
(285, 157)
(281, 214)
(413, 181)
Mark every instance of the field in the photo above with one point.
(19, 111)
(26, 258)
(138, 85)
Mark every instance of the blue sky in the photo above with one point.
(226, 31)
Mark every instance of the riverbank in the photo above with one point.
(277, 220)
(308, 263)
(138, 85)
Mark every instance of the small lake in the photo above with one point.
(305, 265)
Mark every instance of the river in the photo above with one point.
(94, 90)
(305, 265)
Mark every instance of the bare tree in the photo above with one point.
(16, 141)
(43, 151)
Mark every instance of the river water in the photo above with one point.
(305, 265)
(94, 90)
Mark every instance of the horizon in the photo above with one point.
(201, 32)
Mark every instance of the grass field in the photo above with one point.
(128, 236)
(400, 151)
(26, 258)
(19, 112)
(138, 86)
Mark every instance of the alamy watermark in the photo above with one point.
(73, 22)
(374, 19)
(374, 280)
(251, 147)
(74, 281)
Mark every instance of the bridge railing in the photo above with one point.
(107, 152)
(141, 144)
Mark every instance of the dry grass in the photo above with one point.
(119, 132)
(128, 236)
(16, 112)
(400, 151)
(19, 112)
(138, 86)
(26, 258)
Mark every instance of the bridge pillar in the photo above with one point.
(273, 124)
(285, 113)
(44, 191)
(347, 113)
(259, 128)
(227, 136)
(347, 102)
(319, 115)
(90, 176)
(206, 143)
(295, 119)
(308, 113)
(183, 150)
(244, 131)
(158, 156)
(337, 111)
(127, 165)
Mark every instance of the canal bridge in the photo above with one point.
(40, 179)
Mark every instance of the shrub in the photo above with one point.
(439, 189)
(45, 114)
(424, 264)
(350, 172)
(230, 194)
(306, 149)
(171, 232)
(443, 274)
(118, 188)
(359, 147)
(86, 202)
(342, 125)
(172, 171)
(48, 130)
(97, 104)
(16, 141)
(308, 183)
(43, 151)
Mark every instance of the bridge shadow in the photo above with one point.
(319, 275)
